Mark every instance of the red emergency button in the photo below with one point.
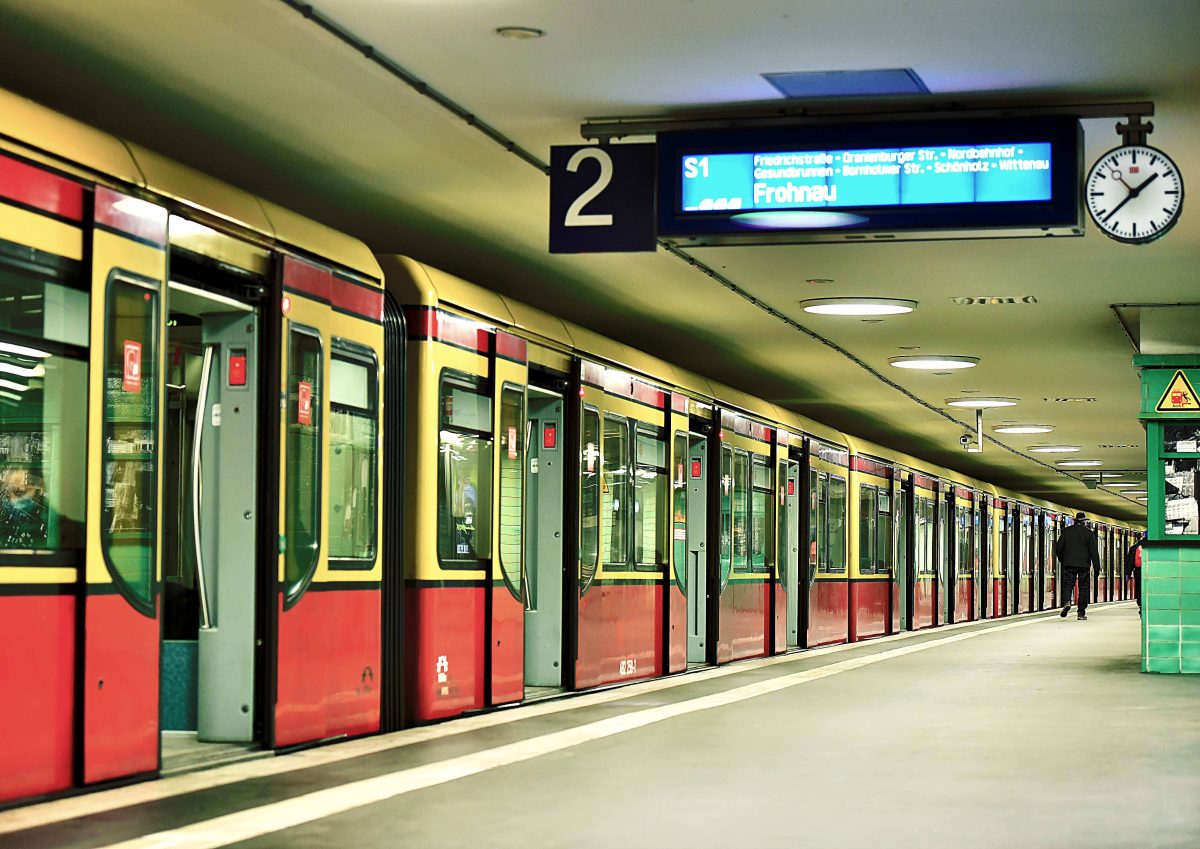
(550, 436)
(237, 369)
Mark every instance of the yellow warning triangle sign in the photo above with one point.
(1179, 395)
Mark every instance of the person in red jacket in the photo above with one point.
(1077, 551)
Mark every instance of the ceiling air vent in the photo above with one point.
(1070, 400)
(995, 300)
(877, 82)
(1119, 446)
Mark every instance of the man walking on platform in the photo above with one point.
(1077, 552)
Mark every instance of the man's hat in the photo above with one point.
(1080, 516)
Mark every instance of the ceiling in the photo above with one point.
(256, 93)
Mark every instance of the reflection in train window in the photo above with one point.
(305, 391)
(762, 517)
(512, 485)
(464, 470)
(649, 500)
(589, 497)
(614, 491)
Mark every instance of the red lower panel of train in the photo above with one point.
(443, 644)
(924, 605)
(828, 612)
(37, 663)
(869, 608)
(1025, 595)
(964, 598)
(620, 633)
(120, 718)
(508, 646)
(329, 650)
(1101, 588)
(999, 597)
(743, 620)
(677, 634)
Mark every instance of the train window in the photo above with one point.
(883, 538)
(43, 452)
(589, 496)
(762, 517)
(821, 506)
(901, 529)
(464, 471)
(649, 501)
(741, 511)
(924, 536)
(814, 521)
(867, 498)
(965, 539)
(305, 396)
(784, 544)
(353, 449)
(726, 553)
(679, 509)
(42, 304)
(837, 525)
(614, 491)
(512, 485)
(129, 518)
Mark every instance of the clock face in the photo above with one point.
(1134, 193)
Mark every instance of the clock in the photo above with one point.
(1134, 193)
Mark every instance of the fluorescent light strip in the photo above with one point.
(858, 306)
(933, 362)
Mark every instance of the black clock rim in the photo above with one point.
(1138, 240)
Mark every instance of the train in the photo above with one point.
(261, 489)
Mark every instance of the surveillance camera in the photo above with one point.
(964, 440)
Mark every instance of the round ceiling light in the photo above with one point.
(981, 402)
(933, 362)
(858, 306)
(519, 33)
(1075, 464)
(1053, 449)
(1023, 428)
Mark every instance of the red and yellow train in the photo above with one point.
(262, 488)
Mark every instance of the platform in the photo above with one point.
(1033, 731)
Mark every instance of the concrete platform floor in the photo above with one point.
(1032, 732)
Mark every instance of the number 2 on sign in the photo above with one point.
(576, 217)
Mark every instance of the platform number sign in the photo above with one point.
(602, 198)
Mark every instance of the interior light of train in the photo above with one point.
(22, 351)
(1053, 449)
(981, 403)
(933, 361)
(1023, 428)
(858, 306)
(897, 178)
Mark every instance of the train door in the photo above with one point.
(944, 554)
(210, 538)
(121, 594)
(901, 572)
(696, 571)
(543, 576)
(793, 566)
(983, 552)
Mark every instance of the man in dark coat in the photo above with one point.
(1077, 551)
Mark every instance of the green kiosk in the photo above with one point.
(1170, 412)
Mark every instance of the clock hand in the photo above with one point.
(1132, 194)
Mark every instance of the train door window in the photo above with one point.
(822, 523)
(353, 449)
(43, 449)
(761, 516)
(464, 470)
(614, 485)
(837, 525)
(679, 509)
(305, 395)
(883, 534)
(129, 519)
(901, 528)
(512, 485)
(783, 544)
(589, 497)
(815, 482)
(649, 500)
(741, 511)
(726, 512)
(965, 539)
(867, 529)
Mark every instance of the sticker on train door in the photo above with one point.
(304, 403)
(132, 381)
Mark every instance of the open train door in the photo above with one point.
(675, 587)
(120, 669)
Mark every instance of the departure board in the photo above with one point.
(941, 179)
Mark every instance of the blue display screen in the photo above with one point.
(867, 177)
(996, 176)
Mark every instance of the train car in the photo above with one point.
(201, 567)
(872, 556)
